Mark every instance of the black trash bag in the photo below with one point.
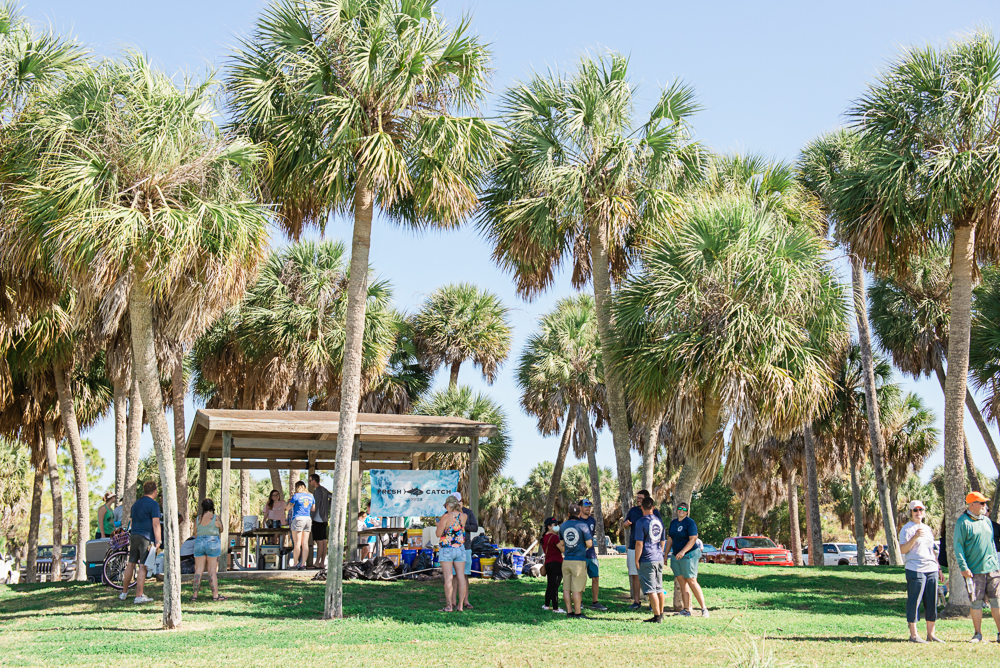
(422, 562)
(187, 565)
(354, 570)
(481, 546)
(379, 568)
(528, 563)
(503, 568)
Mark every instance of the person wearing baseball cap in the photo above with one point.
(916, 542)
(553, 565)
(574, 540)
(593, 567)
(976, 557)
(471, 527)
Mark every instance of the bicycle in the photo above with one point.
(116, 560)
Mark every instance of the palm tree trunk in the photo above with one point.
(350, 391)
(595, 488)
(962, 265)
(650, 441)
(61, 371)
(293, 477)
(618, 417)
(874, 426)
(793, 517)
(34, 519)
(453, 381)
(815, 519)
(121, 436)
(743, 517)
(557, 470)
(148, 379)
(859, 517)
(687, 481)
(132, 446)
(301, 398)
(984, 431)
(894, 495)
(970, 467)
(276, 481)
(180, 461)
(244, 495)
(52, 461)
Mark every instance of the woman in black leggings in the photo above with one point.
(553, 565)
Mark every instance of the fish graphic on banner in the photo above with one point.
(411, 493)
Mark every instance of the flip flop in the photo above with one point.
(219, 598)
(468, 606)
(446, 609)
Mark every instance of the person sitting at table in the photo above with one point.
(300, 517)
(275, 511)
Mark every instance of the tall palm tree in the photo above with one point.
(929, 159)
(727, 326)
(910, 314)
(911, 438)
(352, 130)
(579, 177)
(463, 322)
(141, 194)
(560, 376)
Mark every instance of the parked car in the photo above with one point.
(8, 574)
(752, 551)
(708, 552)
(841, 554)
(43, 564)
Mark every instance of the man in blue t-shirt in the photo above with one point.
(593, 567)
(145, 535)
(574, 540)
(649, 541)
(634, 515)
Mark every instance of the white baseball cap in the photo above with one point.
(917, 504)
(457, 495)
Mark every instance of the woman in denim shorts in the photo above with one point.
(451, 532)
(207, 549)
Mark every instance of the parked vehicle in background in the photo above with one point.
(8, 574)
(43, 564)
(752, 551)
(708, 553)
(841, 554)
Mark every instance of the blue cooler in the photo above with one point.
(518, 563)
(409, 556)
(477, 568)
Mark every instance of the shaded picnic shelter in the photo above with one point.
(262, 440)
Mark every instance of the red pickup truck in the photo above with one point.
(752, 550)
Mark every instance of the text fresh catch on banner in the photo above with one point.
(411, 493)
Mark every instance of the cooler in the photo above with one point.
(270, 558)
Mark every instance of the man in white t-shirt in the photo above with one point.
(916, 542)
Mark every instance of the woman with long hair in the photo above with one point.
(451, 532)
(207, 548)
(106, 516)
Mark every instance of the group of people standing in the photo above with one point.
(307, 515)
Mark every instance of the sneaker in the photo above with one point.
(143, 599)
(122, 596)
(977, 638)
(917, 639)
(684, 613)
(635, 606)
(571, 614)
(704, 612)
(651, 620)
(598, 606)
(580, 616)
(936, 639)
(545, 607)
(559, 611)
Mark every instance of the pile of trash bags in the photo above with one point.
(503, 568)
(482, 547)
(379, 568)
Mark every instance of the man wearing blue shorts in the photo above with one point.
(593, 568)
(649, 542)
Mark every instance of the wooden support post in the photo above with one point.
(474, 476)
(415, 461)
(312, 462)
(227, 448)
(312, 543)
(353, 508)
(202, 477)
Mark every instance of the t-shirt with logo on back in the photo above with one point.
(591, 523)
(144, 511)
(302, 503)
(634, 515)
(575, 533)
(649, 530)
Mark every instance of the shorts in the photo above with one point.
(630, 562)
(320, 531)
(208, 546)
(138, 548)
(985, 587)
(452, 554)
(574, 576)
(301, 524)
(468, 561)
(687, 567)
(593, 569)
(651, 577)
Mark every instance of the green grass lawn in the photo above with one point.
(830, 617)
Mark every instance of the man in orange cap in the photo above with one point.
(976, 557)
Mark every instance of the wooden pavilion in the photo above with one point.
(261, 440)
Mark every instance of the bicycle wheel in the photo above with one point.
(114, 569)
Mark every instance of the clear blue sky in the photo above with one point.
(771, 76)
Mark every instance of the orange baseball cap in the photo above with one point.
(975, 496)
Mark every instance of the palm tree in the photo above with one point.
(351, 130)
(928, 160)
(560, 376)
(404, 381)
(462, 402)
(463, 322)
(910, 314)
(159, 209)
(579, 178)
(726, 326)
(911, 438)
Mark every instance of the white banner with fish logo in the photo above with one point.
(411, 493)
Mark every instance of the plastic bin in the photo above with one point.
(415, 538)
(518, 560)
(393, 554)
(476, 567)
(409, 555)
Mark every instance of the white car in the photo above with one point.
(8, 574)
(841, 554)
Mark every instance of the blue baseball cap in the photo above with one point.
(585, 502)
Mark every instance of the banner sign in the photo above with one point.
(411, 493)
